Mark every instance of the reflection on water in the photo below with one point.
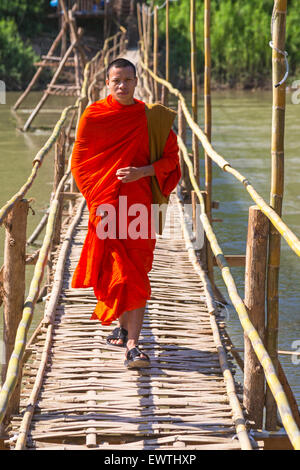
(242, 133)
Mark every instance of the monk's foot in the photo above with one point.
(118, 337)
(135, 358)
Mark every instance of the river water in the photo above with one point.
(241, 133)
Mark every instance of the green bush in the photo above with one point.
(16, 57)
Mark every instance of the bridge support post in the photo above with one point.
(14, 287)
(255, 283)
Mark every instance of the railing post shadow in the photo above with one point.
(255, 297)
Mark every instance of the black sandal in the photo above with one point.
(134, 359)
(118, 333)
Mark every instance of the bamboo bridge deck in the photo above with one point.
(88, 399)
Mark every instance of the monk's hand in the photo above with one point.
(132, 173)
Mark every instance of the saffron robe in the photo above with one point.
(111, 136)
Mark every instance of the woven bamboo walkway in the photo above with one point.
(88, 399)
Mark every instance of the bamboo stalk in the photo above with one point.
(167, 67)
(291, 239)
(14, 287)
(257, 344)
(277, 186)
(53, 80)
(155, 51)
(255, 276)
(21, 442)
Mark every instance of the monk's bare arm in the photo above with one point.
(131, 173)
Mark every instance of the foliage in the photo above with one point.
(240, 36)
(16, 57)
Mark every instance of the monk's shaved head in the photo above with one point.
(120, 64)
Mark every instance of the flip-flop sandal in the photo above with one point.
(134, 359)
(118, 333)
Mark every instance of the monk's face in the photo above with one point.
(121, 83)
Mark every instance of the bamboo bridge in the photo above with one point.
(65, 388)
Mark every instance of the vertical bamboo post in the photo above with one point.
(14, 287)
(194, 87)
(277, 183)
(255, 281)
(167, 72)
(185, 179)
(182, 133)
(155, 50)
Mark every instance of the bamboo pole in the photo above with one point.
(155, 50)
(207, 103)
(277, 186)
(76, 56)
(14, 287)
(255, 277)
(207, 130)
(40, 69)
(194, 87)
(48, 319)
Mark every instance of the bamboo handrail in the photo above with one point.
(258, 346)
(291, 239)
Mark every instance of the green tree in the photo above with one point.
(16, 57)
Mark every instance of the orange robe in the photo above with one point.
(112, 136)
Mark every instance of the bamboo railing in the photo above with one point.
(88, 92)
(271, 211)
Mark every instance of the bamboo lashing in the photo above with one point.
(291, 239)
(257, 344)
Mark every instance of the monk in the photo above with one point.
(111, 166)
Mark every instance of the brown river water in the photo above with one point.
(241, 133)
